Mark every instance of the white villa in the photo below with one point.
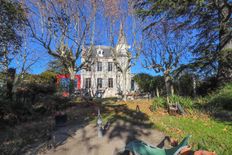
(102, 77)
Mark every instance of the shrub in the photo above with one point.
(207, 86)
(48, 76)
(221, 98)
(183, 101)
(43, 78)
(41, 88)
(158, 102)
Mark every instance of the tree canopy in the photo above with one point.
(210, 22)
(12, 21)
(149, 84)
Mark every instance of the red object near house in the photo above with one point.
(63, 81)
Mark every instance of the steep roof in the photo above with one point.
(105, 49)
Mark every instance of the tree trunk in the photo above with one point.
(194, 86)
(157, 92)
(124, 86)
(168, 86)
(225, 66)
(10, 82)
(72, 81)
(172, 88)
(224, 70)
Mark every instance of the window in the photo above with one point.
(88, 68)
(110, 66)
(99, 82)
(110, 83)
(118, 69)
(87, 82)
(99, 66)
(100, 52)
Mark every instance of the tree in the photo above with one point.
(26, 58)
(145, 82)
(124, 56)
(159, 85)
(57, 67)
(12, 21)
(210, 22)
(186, 84)
(63, 28)
(150, 84)
(163, 51)
(123, 60)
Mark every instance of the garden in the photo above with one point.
(110, 77)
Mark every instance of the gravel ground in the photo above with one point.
(83, 140)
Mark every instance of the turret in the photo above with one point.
(122, 46)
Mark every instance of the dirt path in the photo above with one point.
(84, 140)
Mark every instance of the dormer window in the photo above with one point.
(100, 52)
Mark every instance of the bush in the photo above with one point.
(207, 86)
(41, 88)
(183, 101)
(221, 98)
(48, 76)
(43, 78)
(158, 102)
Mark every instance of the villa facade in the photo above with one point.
(102, 78)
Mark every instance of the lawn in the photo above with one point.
(207, 133)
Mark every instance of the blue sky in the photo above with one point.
(101, 38)
(44, 59)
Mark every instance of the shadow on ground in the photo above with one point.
(126, 120)
(80, 132)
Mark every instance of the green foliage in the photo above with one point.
(225, 68)
(43, 83)
(161, 102)
(2, 84)
(148, 83)
(185, 85)
(12, 21)
(212, 34)
(37, 88)
(183, 101)
(57, 67)
(222, 98)
(145, 82)
(206, 133)
(45, 78)
(207, 86)
(48, 76)
(226, 56)
(158, 102)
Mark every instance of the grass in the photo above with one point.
(209, 120)
(207, 134)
